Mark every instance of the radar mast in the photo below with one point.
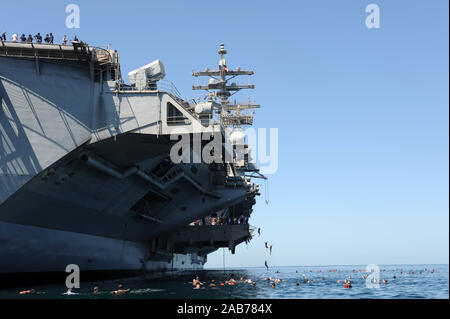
(230, 114)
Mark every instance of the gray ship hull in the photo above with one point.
(84, 177)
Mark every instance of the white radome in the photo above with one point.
(237, 137)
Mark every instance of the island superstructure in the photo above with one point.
(86, 173)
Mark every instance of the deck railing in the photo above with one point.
(55, 51)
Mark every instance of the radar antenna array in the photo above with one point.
(230, 114)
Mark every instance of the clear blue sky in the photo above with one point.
(363, 114)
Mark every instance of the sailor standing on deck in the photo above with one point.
(76, 43)
(38, 37)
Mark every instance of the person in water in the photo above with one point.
(27, 292)
(348, 284)
(212, 284)
(95, 290)
(120, 290)
(231, 281)
(273, 285)
(196, 281)
(70, 292)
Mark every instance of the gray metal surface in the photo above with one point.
(83, 169)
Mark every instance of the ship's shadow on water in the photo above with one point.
(410, 281)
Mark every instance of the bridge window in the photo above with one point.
(175, 116)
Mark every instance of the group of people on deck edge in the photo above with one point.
(48, 39)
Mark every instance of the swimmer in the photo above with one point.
(297, 283)
(338, 281)
(273, 285)
(120, 290)
(196, 281)
(348, 284)
(69, 292)
(265, 278)
(95, 291)
(385, 282)
(27, 292)
(305, 280)
(197, 286)
(212, 284)
(254, 284)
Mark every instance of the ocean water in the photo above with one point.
(412, 281)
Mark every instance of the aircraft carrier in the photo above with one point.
(86, 172)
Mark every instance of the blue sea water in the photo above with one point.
(411, 282)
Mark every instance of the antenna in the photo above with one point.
(230, 114)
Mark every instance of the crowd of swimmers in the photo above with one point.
(119, 291)
(48, 39)
(273, 281)
(229, 282)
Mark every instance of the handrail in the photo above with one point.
(177, 119)
(19, 49)
(162, 86)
